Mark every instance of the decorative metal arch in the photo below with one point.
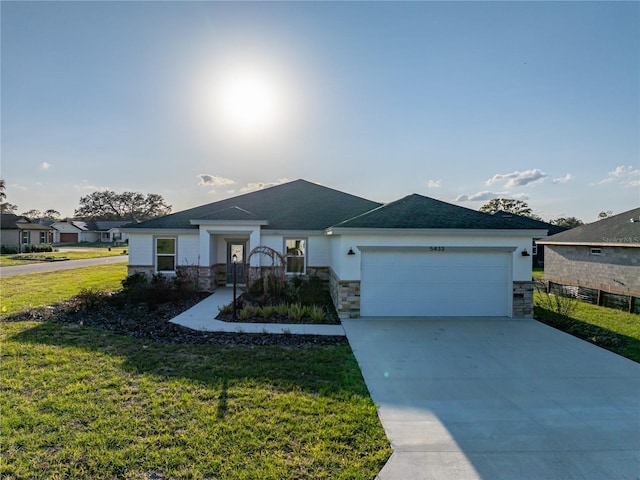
(276, 270)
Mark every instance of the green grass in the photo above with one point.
(79, 402)
(36, 290)
(612, 329)
(7, 261)
(538, 273)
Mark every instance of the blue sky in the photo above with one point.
(458, 101)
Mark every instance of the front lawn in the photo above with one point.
(82, 402)
(13, 260)
(612, 329)
(35, 290)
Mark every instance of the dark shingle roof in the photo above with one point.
(417, 211)
(232, 213)
(526, 222)
(297, 205)
(8, 221)
(618, 229)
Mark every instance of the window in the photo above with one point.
(595, 251)
(25, 237)
(295, 255)
(534, 248)
(43, 237)
(165, 254)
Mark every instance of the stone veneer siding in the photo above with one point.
(345, 296)
(616, 270)
(523, 299)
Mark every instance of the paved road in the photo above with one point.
(65, 265)
(498, 399)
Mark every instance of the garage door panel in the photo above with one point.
(435, 284)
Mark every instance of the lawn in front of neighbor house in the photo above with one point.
(70, 253)
(609, 328)
(84, 402)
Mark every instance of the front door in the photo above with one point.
(236, 260)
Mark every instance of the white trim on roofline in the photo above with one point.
(161, 231)
(591, 244)
(210, 223)
(480, 232)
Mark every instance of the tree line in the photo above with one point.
(135, 206)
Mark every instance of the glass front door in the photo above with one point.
(236, 260)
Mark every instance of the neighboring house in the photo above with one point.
(18, 232)
(537, 250)
(90, 231)
(603, 256)
(413, 257)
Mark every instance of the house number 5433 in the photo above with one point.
(436, 249)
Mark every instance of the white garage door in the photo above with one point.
(448, 282)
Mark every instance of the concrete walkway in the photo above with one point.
(62, 265)
(202, 317)
(498, 398)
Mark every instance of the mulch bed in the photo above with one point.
(140, 321)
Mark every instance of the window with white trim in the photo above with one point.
(25, 237)
(43, 237)
(295, 255)
(165, 254)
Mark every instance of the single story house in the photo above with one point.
(603, 256)
(416, 256)
(17, 231)
(90, 231)
(537, 250)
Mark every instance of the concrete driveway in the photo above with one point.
(498, 398)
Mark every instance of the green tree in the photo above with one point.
(567, 222)
(109, 205)
(517, 207)
(3, 186)
(33, 213)
(8, 208)
(51, 214)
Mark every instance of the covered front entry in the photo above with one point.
(435, 281)
(236, 258)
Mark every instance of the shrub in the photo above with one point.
(296, 312)
(268, 311)
(226, 309)
(562, 302)
(7, 250)
(247, 312)
(316, 313)
(309, 291)
(91, 299)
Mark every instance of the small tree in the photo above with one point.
(51, 214)
(8, 208)
(33, 213)
(567, 222)
(517, 207)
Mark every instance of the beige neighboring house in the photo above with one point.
(17, 231)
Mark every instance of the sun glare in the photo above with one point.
(248, 103)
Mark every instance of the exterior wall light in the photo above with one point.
(351, 252)
(525, 253)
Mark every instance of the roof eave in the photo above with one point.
(586, 243)
(437, 231)
(228, 222)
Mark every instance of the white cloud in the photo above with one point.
(434, 183)
(564, 179)
(88, 186)
(625, 175)
(206, 179)
(252, 187)
(486, 196)
(518, 179)
(45, 166)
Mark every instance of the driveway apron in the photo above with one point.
(498, 398)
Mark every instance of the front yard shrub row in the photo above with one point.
(6, 250)
(292, 312)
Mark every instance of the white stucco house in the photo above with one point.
(416, 256)
(89, 231)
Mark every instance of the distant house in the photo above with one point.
(89, 231)
(18, 232)
(537, 249)
(603, 256)
(416, 256)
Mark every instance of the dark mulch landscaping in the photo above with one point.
(113, 313)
